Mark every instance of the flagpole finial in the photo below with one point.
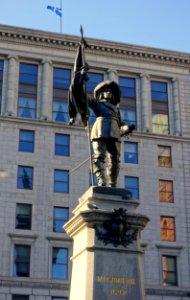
(81, 31)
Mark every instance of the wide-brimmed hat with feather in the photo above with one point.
(108, 85)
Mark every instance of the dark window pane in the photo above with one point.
(20, 297)
(130, 153)
(128, 116)
(94, 80)
(62, 144)
(94, 178)
(26, 141)
(25, 177)
(23, 216)
(60, 263)
(61, 216)
(21, 261)
(61, 181)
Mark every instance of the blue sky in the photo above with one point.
(156, 23)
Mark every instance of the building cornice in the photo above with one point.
(40, 38)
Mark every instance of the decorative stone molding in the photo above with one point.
(41, 38)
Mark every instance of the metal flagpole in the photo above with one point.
(87, 110)
(61, 25)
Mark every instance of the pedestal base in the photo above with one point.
(107, 258)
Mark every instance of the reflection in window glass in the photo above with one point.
(60, 263)
(61, 181)
(169, 270)
(21, 261)
(25, 178)
(23, 216)
(26, 141)
(61, 216)
(166, 191)
(164, 156)
(167, 226)
(130, 153)
(27, 95)
(132, 186)
(62, 144)
(61, 83)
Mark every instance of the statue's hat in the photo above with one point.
(108, 85)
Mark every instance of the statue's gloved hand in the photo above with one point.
(127, 129)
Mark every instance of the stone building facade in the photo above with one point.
(44, 164)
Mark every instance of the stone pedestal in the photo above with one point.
(107, 257)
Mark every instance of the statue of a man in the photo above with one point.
(107, 131)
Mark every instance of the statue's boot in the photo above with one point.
(113, 172)
(98, 169)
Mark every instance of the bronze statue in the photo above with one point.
(108, 128)
(107, 131)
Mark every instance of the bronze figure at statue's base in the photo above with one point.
(107, 256)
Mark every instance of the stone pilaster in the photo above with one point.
(112, 75)
(176, 108)
(11, 85)
(145, 96)
(46, 90)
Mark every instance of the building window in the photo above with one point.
(167, 227)
(27, 94)
(61, 181)
(61, 216)
(25, 178)
(94, 80)
(22, 261)
(1, 81)
(62, 144)
(166, 191)
(169, 270)
(23, 216)
(130, 153)
(60, 263)
(26, 141)
(160, 115)
(61, 83)
(128, 100)
(164, 156)
(94, 178)
(20, 297)
(132, 186)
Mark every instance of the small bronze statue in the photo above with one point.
(107, 131)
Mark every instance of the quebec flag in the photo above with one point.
(55, 10)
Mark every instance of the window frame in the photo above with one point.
(30, 216)
(61, 181)
(64, 220)
(65, 146)
(27, 91)
(32, 142)
(30, 179)
(175, 272)
(160, 108)
(129, 188)
(136, 154)
(162, 156)
(67, 263)
(167, 229)
(28, 263)
(165, 191)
